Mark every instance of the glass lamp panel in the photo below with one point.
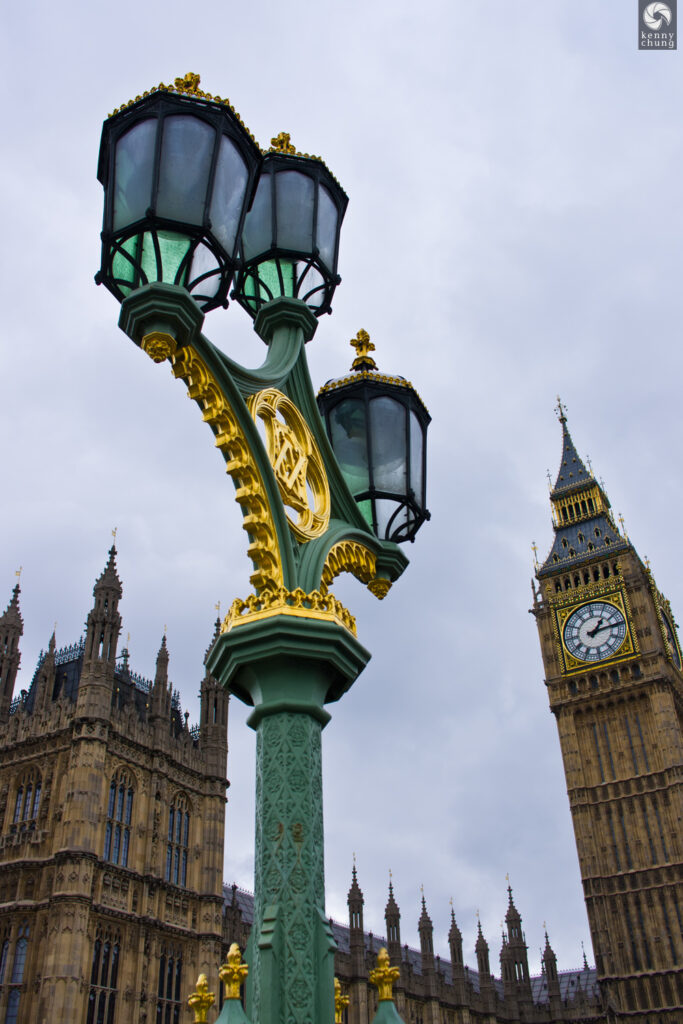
(229, 186)
(385, 509)
(133, 170)
(349, 442)
(294, 199)
(173, 248)
(388, 433)
(257, 235)
(416, 444)
(186, 151)
(205, 262)
(275, 278)
(312, 286)
(326, 233)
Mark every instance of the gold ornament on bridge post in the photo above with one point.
(384, 976)
(201, 1000)
(233, 972)
(340, 1002)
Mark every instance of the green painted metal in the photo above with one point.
(386, 1013)
(288, 668)
(285, 325)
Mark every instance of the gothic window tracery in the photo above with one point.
(169, 988)
(119, 816)
(104, 978)
(178, 839)
(13, 979)
(27, 799)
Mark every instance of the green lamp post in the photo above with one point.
(289, 648)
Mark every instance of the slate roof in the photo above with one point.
(571, 982)
(572, 471)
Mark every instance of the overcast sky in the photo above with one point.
(513, 231)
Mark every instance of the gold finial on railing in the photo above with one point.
(340, 1002)
(282, 144)
(201, 1000)
(363, 347)
(114, 532)
(233, 972)
(189, 83)
(534, 548)
(384, 976)
(623, 526)
(18, 573)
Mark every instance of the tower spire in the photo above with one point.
(572, 470)
(584, 527)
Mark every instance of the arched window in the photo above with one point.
(104, 974)
(12, 979)
(119, 816)
(178, 839)
(27, 800)
(170, 987)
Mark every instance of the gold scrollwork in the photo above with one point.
(289, 602)
(250, 492)
(352, 557)
(296, 462)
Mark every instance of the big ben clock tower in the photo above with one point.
(613, 671)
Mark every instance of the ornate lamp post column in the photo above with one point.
(290, 647)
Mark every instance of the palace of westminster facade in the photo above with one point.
(112, 818)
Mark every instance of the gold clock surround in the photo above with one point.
(564, 609)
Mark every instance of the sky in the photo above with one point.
(513, 233)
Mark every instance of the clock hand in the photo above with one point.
(598, 629)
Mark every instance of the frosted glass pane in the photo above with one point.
(133, 173)
(388, 432)
(229, 187)
(349, 442)
(257, 235)
(294, 211)
(416, 456)
(385, 509)
(326, 234)
(186, 151)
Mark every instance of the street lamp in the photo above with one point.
(178, 170)
(290, 647)
(377, 426)
(290, 241)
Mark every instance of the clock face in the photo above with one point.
(595, 631)
(671, 637)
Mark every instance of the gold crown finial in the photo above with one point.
(384, 976)
(561, 410)
(340, 1002)
(188, 83)
(233, 972)
(201, 1000)
(363, 347)
(282, 144)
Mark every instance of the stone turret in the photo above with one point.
(11, 629)
(392, 917)
(213, 729)
(103, 626)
